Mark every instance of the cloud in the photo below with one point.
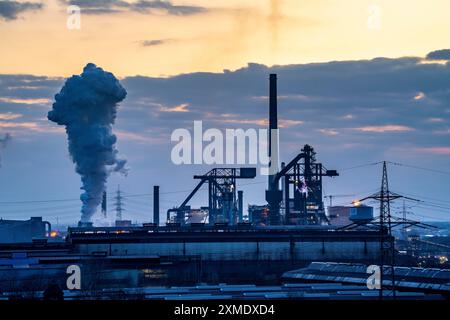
(385, 129)
(253, 122)
(154, 43)
(285, 123)
(24, 101)
(263, 122)
(443, 54)
(328, 132)
(179, 108)
(27, 125)
(10, 10)
(436, 120)
(181, 10)
(139, 138)
(141, 6)
(9, 116)
(42, 127)
(434, 150)
(348, 117)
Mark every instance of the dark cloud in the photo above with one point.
(10, 10)
(337, 105)
(443, 54)
(28, 86)
(370, 102)
(181, 10)
(142, 6)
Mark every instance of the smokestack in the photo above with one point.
(273, 193)
(104, 204)
(240, 206)
(156, 205)
(283, 186)
(273, 130)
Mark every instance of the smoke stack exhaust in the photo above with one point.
(104, 205)
(156, 205)
(87, 107)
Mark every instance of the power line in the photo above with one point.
(78, 199)
(429, 198)
(361, 166)
(417, 167)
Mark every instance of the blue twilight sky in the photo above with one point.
(351, 112)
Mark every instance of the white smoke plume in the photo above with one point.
(3, 143)
(87, 107)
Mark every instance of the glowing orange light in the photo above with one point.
(356, 203)
(53, 234)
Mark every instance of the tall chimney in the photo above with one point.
(156, 205)
(240, 206)
(273, 193)
(273, 130)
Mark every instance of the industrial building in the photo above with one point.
(13, 231)
(407, 279)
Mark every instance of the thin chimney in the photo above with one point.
(156, 205)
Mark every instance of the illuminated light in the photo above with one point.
(53, 234)
(356, 203)
(443, 259)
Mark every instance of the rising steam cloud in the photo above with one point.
(87, 107)
(3, 143)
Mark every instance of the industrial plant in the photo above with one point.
(291, 247)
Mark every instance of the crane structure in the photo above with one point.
(302, 191)
(223, 204)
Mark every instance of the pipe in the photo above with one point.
(156, 205)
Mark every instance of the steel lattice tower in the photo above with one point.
(387, 242)
(119, 204)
